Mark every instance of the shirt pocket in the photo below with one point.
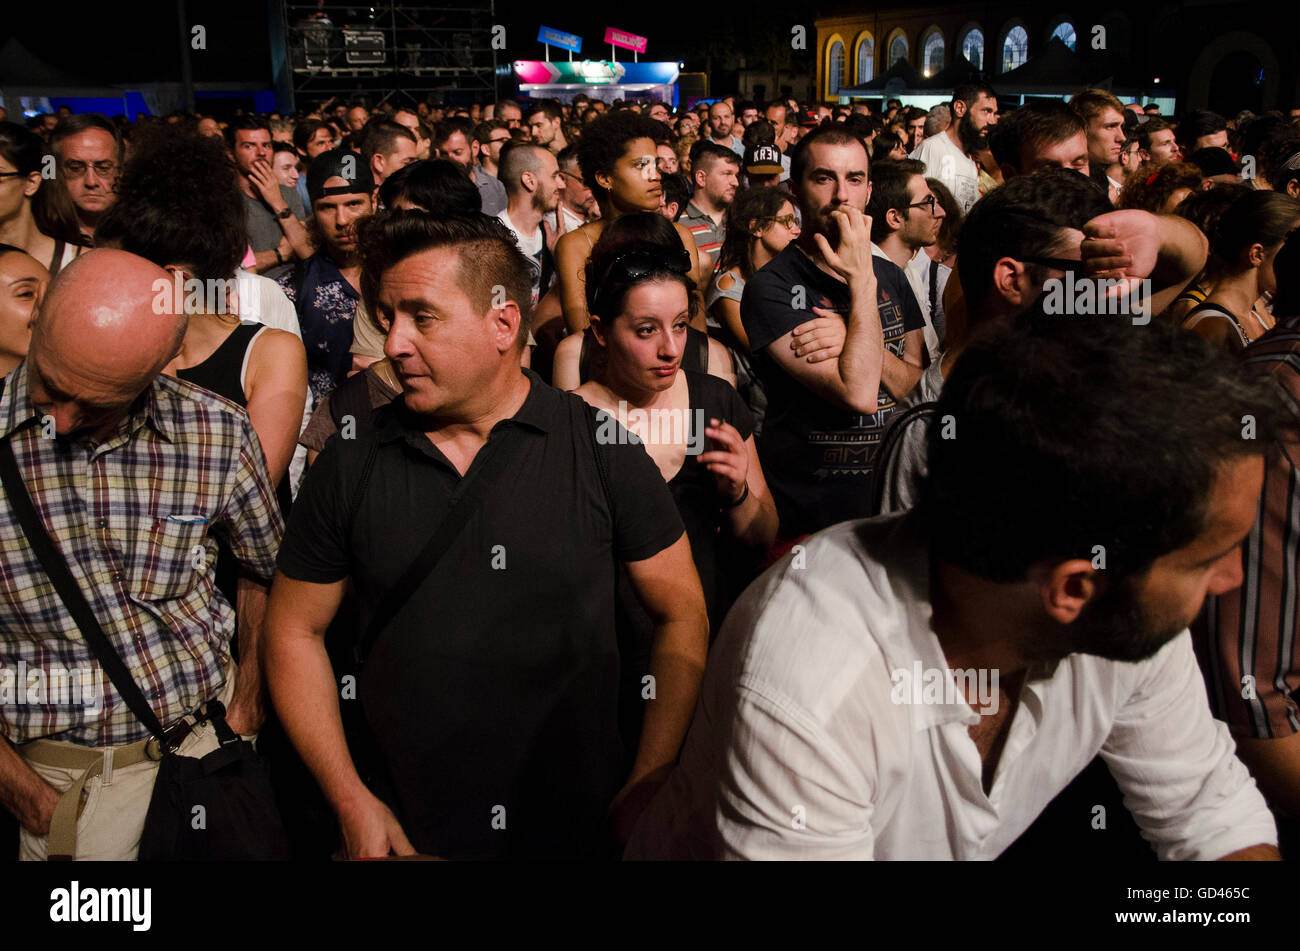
(173, 558)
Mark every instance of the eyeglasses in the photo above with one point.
(786, 221)
(498, 141)
(75, 169)
(13, 174)
(928, 200)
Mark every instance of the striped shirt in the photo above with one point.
(1251, 632)
(135, 518)
(708, 233)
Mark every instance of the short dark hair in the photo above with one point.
(448, 127)
(1078, 433)
(439, 186)
(550, 107)
(21, 147)
(379, 137)
(1198, 123)
(677, 190)
(828, 134)
(889, 179)
(605, 140)
(178, 203)
(483, 131)
(517, 158)
(1023, 218)
(968, 93)
(243, 124)
(706, 153)
(1273, 154)
(84, 122)
(1030, 126)
(304, 130)
(486, 252)
(1149, 128)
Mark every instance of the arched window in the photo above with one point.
(897, 49)
(972, 47)
(1065, 33)
(1015, 48)
(866, 60)
(932, 53)
(834, 68)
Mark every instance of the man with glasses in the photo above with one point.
(905, 220)
(577, 203)
(491, 136)
(88, 149)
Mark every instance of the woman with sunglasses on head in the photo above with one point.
(578, 358)
(1244, 243)
(694, 426)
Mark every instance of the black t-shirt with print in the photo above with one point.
(818, 457)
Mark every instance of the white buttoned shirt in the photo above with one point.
(798, 749)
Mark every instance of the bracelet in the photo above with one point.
(279, 258)
(740, 501)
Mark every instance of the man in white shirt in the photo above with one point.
(905, 220)
(947, 156)
(921, 686)
(533, 184)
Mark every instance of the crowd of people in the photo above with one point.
(541, 479)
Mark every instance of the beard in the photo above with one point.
(1116, 625)
(972, 139)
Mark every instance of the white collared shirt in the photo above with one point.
(798, 750)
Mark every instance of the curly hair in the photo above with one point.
(1153, 183)
(605, 140)
(178, 202)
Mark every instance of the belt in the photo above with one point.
(93, 761)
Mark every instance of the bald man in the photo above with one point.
(135, 476)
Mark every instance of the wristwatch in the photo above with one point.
(285, 213)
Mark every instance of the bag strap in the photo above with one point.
(464, 502)
(66, 586)
(884, 458)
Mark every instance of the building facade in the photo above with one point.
(1202, 53)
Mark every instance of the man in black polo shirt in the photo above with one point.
(493, 694)
(825, 419)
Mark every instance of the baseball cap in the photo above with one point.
(339, 163)
(763, 160)
(810, 118)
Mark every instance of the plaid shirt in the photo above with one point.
(134, 517)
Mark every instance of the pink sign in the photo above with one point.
(628, 41)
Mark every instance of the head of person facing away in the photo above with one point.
(1032, 216)
(99, 339)
(1096, 473)
(453, 297)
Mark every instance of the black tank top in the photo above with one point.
(223, 371)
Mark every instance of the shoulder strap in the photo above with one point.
(934, 288)
(351, 398)
(57, 262)
(884, 458)
(602, 464)
(464, 503)
(66, 586)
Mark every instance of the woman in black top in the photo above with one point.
(694, 426)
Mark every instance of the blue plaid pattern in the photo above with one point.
(135, 518)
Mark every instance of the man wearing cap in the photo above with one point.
(326, 288)
(763, 168)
